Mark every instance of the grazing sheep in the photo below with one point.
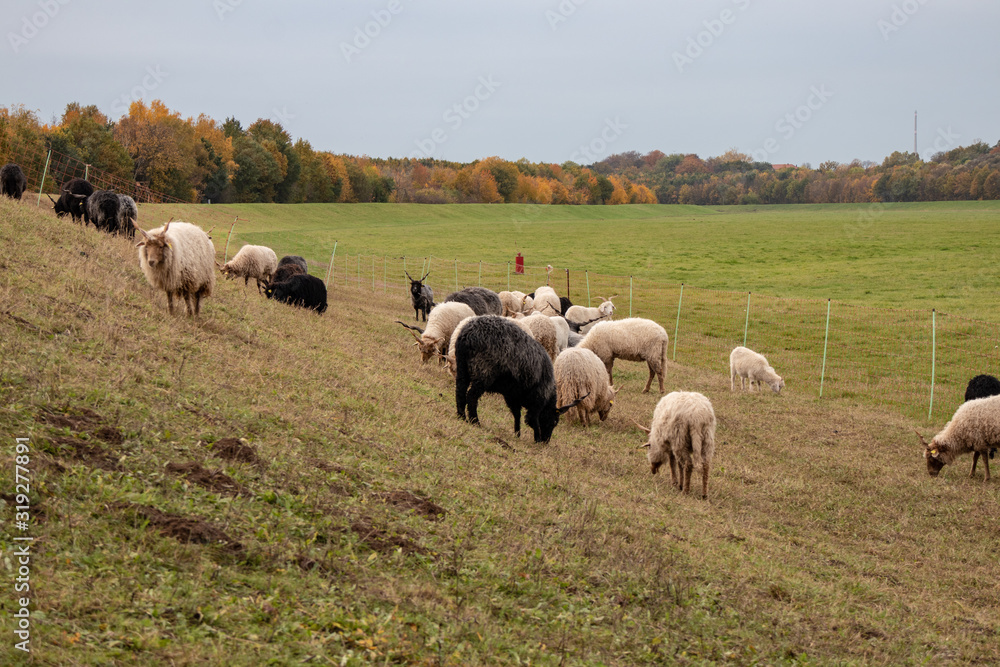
(975, 427)
(753, 367)
(286, 271)
(562, 332)
(253, 261)
(73, 199)
(512, 302)
(545, 301)
(128, 216)
(421, 296)
(482, 301)
(102, 210)
(449, 358)
(982, 386)
(682, 432)
(541, 328)
(580, 374)
(584, 318)
(12, 181)
(631, 339)
(493, 354)
(177, 258)
(296, 260)
(300, 290)
(441, 323)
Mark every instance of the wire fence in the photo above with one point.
(913, 362)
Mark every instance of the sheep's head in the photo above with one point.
(606, 309)
(429, 347)
(58, 206)
(226, 270)
(937, 454)
(776, 385)
(416, 286)
(156, 247)
(609, 402)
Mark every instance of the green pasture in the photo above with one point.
(943, 255)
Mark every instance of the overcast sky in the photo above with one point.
(789, 81)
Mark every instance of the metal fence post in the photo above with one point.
(746, 326)
(45, 173)
(930, 409)
(677, 326)
(826, 339)
(330, 269)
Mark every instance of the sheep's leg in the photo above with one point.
(584, 415)
(704, 479)
(515, 409)
(732, 381)
(688, 468)
(674, 476)
(170, 302)
(650, 380)
(472, 403)
(975, 460)
(986, 462)
(608, 366)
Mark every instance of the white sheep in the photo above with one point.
(545, 301)
(585, 318)
(562, 332)
(252, 261)
(631, 339)
(177, 258)
(581, 374)
(541, 329)
(441, 323)
(753, 367)
(512, 302)
(975, 427)
(449, 358)
(683, 433)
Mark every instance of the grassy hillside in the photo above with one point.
(358, 521)
(928, 255)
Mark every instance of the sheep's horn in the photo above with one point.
(921, 437)
(217, 264)
(575, 403)
(425, 276)
(641, 427)
(409, 276)
(643, 446)
(139, 229)
(413, 330)
(50, 198)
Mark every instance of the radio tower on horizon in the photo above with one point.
(915, 135)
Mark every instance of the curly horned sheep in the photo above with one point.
(753, 367)
(421, 296)
(580, 372)
(683, 433)
(494, 355)
(177, 258)
(441, 323)
(252, 261)
(975, 427)
(13, 183)
(631, 339)
(584, 318)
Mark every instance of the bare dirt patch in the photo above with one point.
(382, 541)
(213, 480)
(234, 449)
(409, 501)
(83, 419)
(184, 529)
(85, 452)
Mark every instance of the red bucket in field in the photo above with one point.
(519, 264)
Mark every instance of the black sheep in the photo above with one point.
(286, 271)
(421, 296)
(296, 260)
(564, 304)
(492, 354)
(102, 210)
(300, 290)
(73, 199)
(482, 301)
(983, 386)
(12, 181)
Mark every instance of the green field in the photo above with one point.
(359, 522)
(943, 255)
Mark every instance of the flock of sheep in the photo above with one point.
(548, 357)
(539, 351)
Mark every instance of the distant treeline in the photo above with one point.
(201, 159)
